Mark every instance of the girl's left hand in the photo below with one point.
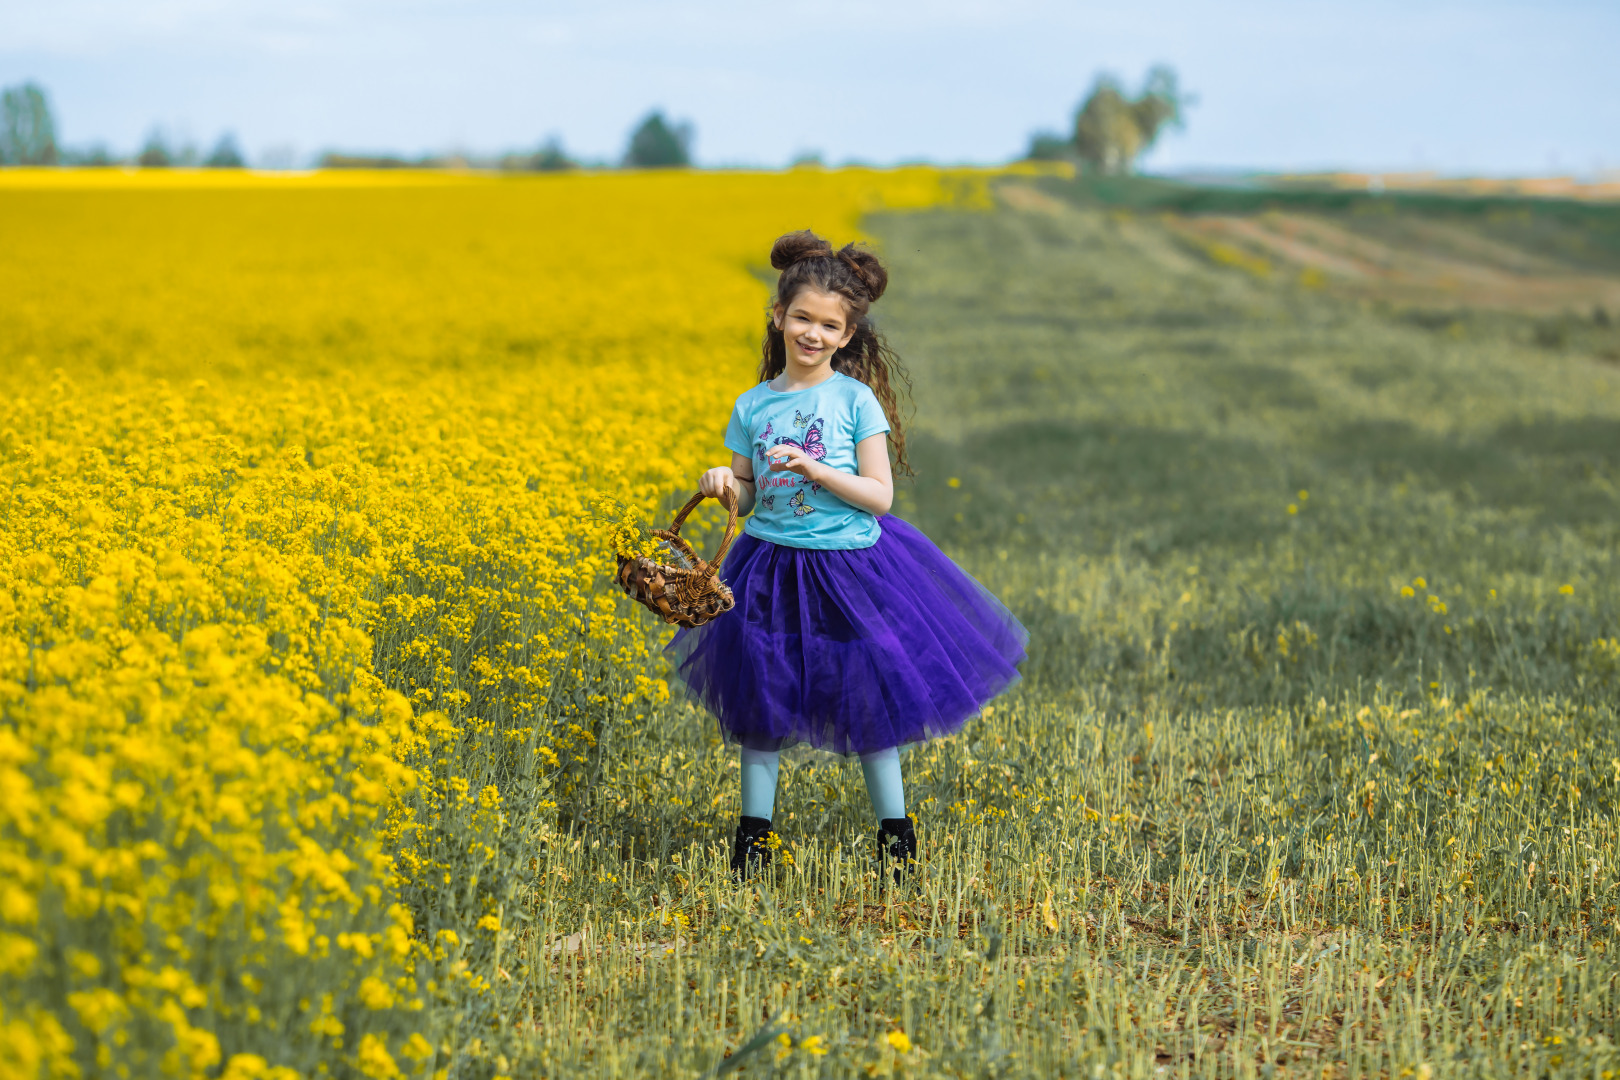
(792, 459)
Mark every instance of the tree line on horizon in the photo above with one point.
(28, 136)
(1110, 133)
(656, 143)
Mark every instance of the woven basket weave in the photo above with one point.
(689, 595)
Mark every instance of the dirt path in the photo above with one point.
(1442, 264)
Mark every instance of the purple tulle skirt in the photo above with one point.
(850, 651)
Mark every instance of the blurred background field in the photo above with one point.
(1308, 498)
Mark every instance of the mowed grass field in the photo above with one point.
(1313, 770)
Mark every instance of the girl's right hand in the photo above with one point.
(716, 481)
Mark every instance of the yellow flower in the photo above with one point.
(898, 1040)
(249, 527)
(374, 1060)
(375, 994)
(1567, 590)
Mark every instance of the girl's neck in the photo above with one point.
(799, 377)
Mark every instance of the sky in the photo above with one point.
(1487, 87)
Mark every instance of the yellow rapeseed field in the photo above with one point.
(303, 543)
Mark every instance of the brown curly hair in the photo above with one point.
(854, 274)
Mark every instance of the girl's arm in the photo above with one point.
(872, 490)
(739, 477)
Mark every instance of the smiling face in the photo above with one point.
(814, 325)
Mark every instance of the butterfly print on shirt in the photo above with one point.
(812, 444)
(768, 501)
(800, 507)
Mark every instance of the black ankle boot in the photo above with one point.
(749, 851)
(897, 841)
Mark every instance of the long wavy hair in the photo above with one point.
(854, 274)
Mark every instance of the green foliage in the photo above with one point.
(551, 157)
(1112, 130)
(27, 128)
(226, 154)
(1048, 146)
(657, 144)
(155, 153)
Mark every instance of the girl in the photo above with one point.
(855, 635)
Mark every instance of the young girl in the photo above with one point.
(853, 634)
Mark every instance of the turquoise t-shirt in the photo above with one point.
(826, 421)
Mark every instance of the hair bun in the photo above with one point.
(797, 246)
(867, 267)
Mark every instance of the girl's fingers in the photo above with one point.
(713, 482)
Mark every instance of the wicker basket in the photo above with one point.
(687, 595)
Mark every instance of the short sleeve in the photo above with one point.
(869, 417)
(738, 438)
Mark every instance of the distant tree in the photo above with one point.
(1160, 104)
(29, 131)
(155, 152)
(658, 144)
(808, 159)
(1105, 132)
(1111, 130)
(1049, 146)
(226, 154)
(551, 157)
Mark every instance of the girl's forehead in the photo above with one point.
(819, 303)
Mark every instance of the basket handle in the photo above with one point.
(729, 500)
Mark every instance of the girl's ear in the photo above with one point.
(849, 335)
(776, 316)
